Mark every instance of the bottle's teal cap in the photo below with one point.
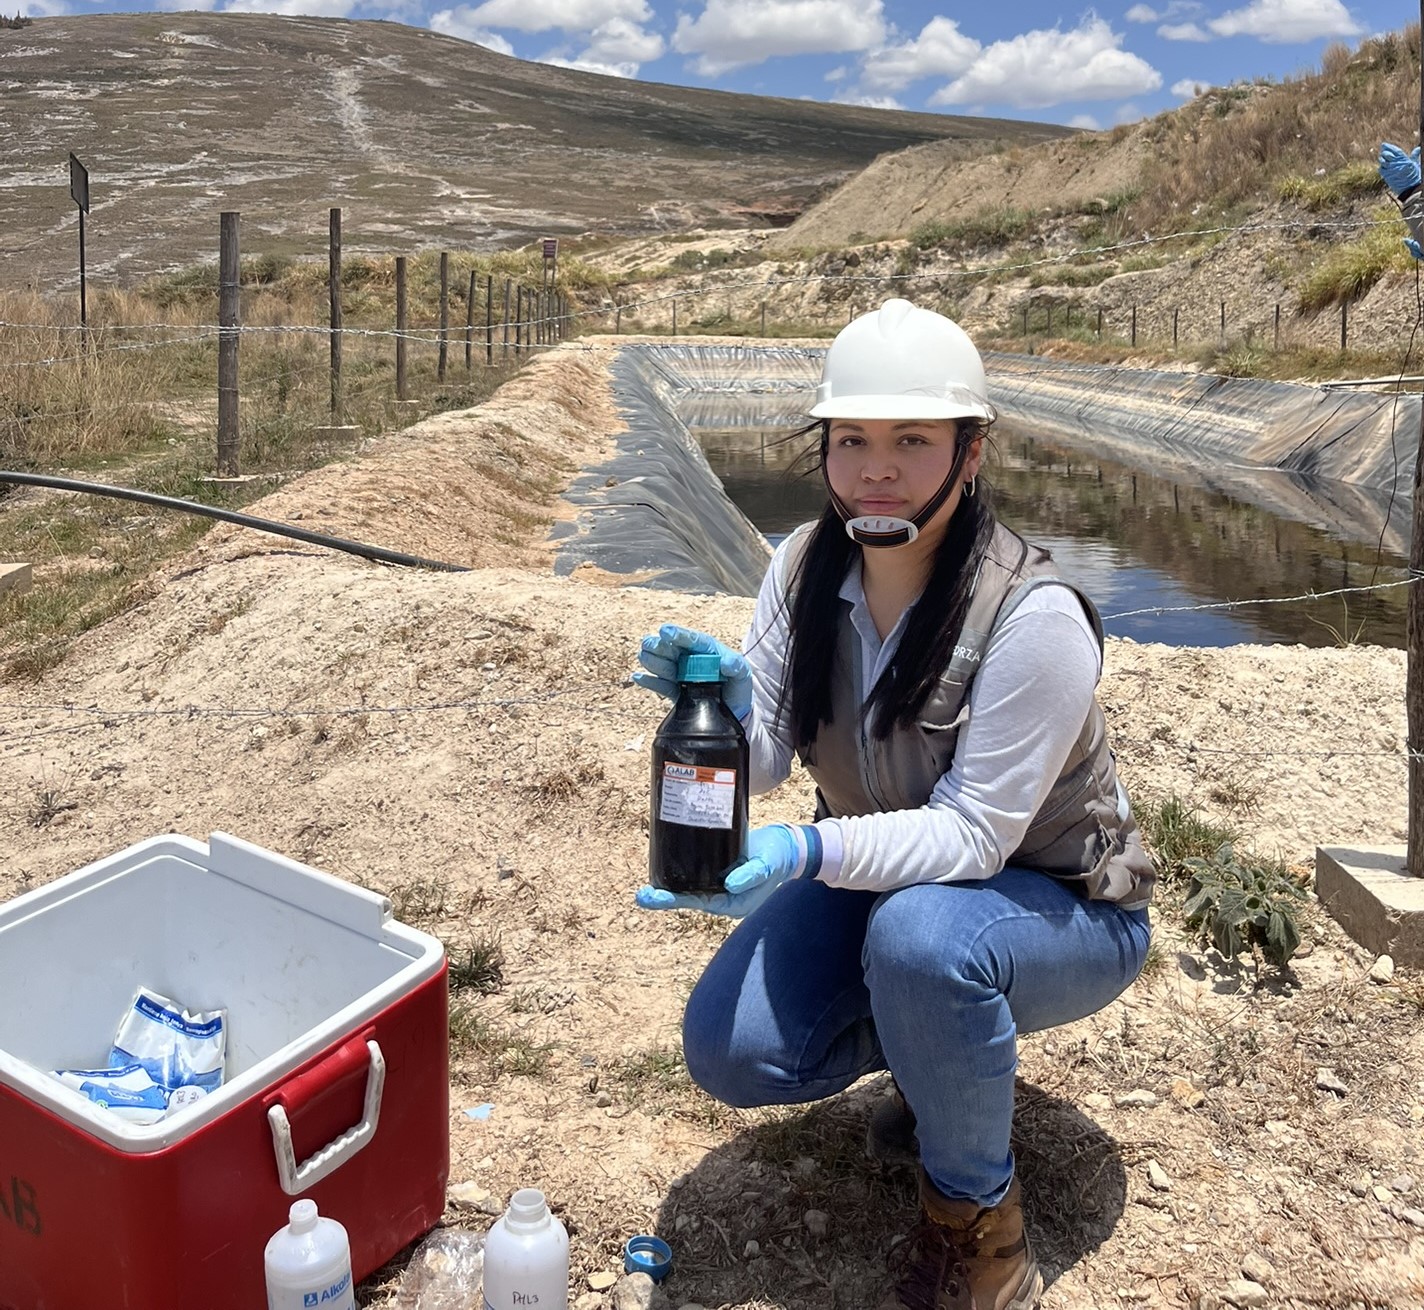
(699, 668)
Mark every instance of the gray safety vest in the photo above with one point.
(1084, 831)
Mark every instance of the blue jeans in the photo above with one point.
(821, 986)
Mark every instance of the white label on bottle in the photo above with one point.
(698, 797)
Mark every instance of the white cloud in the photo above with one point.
(867, 102)
(1052, 67)
(568, 15)
(1183, 32)
(1282, 22)
(838, 74)
(618, 49)
(1086, 121)
(1176, 9)
(1191, 87)
(43, 8)
(730, 34)
(459, 22)
(940, 50)
(1127, 113)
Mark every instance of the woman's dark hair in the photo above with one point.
(933, 625)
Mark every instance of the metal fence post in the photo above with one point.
(400, 328)
(229, 318)
(334, 296)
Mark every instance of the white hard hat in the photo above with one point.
(902, 362)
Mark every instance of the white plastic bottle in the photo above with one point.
(527, 1257)
(308, 1263)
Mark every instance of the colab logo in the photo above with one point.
(327, 1296)
(683, 772)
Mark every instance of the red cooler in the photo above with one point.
(336, 1082)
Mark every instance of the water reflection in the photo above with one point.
(1134, 542)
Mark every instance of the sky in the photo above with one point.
(1031, 59)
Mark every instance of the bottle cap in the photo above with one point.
(302, 1216)
(648, 1255)
(699, 668)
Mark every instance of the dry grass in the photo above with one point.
(1241, 145)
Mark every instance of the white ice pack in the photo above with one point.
(178, 1049)
(127, 1091)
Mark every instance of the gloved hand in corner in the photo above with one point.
(659, 654)
(776, 853)
(1401, 173)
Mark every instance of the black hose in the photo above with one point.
(377, 553)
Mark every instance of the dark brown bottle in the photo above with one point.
(698, 825)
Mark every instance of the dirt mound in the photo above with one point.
(940, 182)
(469, 744)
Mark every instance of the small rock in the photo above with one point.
(1187, 1095)
(680, 1223)
(1157, 1177)
(603, 1100)
(1402, 1183)
(1382, 1194)
(1329, 1081)
(471, 1196)
(589, 1301)
(690, 1305)
(817, 1222)
(637, 1292)
(1097, 1101)
(602, 1280)
(1257, 1268)
(1361, 1185)
(1243, 1292)
(805, 1167)
(1140, 1098)
(751, 1250)
(1408, 1214)
(1382, 971)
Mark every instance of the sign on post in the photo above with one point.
(79, 193)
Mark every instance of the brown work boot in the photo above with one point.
(890, 1139)
(962, 1256)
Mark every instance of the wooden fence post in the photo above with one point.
(1100, 320)
(1174, 329)
(444, 314)
(489, 318)
(1025, 319)
(470, 323)
(1277, 346)
(618, 319)
(1223, 322)
(1048, 319)
(334, 296)
(1344, 321)
(674, 316)
(229, 317)
(763, 318)
(504, 347)
(1134, 325)
(518, 319)
(400, 328)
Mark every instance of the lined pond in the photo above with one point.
(1150, 551)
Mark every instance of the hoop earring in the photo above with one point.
(969, 487)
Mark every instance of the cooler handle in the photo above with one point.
(296, 1178)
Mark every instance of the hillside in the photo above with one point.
(421, 137)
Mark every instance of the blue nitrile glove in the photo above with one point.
(1400, 171)
(659, 655)
(1414, 248)
(776, 853)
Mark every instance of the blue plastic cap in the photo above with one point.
(699, 668)
(644, 1254)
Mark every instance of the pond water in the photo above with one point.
(1135, 542)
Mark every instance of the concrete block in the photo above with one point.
(1373, 899)
(342, 432)
(16, 578)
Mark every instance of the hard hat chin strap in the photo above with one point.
(885, 529)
